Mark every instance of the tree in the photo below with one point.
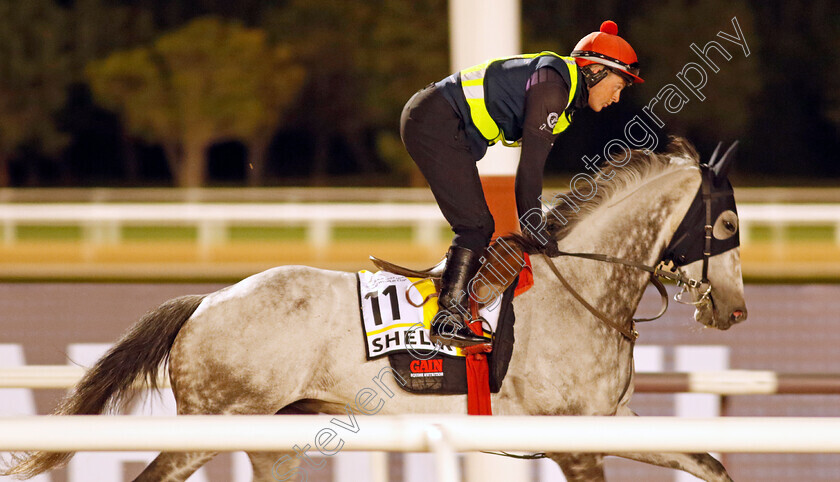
(417, 53)
(43, 50)
(365, 60)
(33, 76)
(208, 81)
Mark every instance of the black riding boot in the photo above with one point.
(450, 324)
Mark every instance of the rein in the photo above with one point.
(656, 272)
(629, 333)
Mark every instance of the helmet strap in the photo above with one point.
(591, 78)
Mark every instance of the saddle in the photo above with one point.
(501, 264)
(479, 374)
(434, 272)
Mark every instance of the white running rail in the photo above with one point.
(102, 222)
(415, 433)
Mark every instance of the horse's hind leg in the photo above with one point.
(174, 466)
(276, 466)
(580, 467)
(703, 466)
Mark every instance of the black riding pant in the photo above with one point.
(434, 136)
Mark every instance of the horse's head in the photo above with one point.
(705, 247)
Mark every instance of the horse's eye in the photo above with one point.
(726, 225)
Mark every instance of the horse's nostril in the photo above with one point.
(739, 315)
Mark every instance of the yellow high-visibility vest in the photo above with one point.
(472, 83)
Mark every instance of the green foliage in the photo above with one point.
(33, 73)
(365, 60)
(43, 48)
(132, 83)
(214, 79)
(406, 50)
(391, 150)
(227, 80)
(207, 81)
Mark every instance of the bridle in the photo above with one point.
(706, 192)
(661, 270)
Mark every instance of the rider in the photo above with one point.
(528, 99)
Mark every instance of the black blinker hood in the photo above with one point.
(688, 242)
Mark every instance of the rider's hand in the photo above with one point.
(545, 240)
(550, 248)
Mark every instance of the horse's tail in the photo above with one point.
(137, 357)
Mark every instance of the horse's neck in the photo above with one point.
(635, 223)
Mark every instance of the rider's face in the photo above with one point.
(606, 92)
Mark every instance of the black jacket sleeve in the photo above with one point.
(545, 101)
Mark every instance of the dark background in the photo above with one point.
(359, 62)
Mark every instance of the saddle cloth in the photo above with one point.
(391, 321)
(393, 326)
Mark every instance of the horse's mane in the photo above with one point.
(609, 182)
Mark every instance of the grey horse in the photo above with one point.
(288, 340)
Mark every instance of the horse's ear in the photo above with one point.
(722, 166)
(713, 159)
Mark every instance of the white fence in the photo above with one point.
(442, 435)
(422, 433)
(102, 223)
(422, 466)
(780, 215)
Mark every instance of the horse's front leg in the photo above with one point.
(580, 467)
(703, 466)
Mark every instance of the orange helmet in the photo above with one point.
(607, 48)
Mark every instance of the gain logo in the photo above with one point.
(426, 368)
(552, 120)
